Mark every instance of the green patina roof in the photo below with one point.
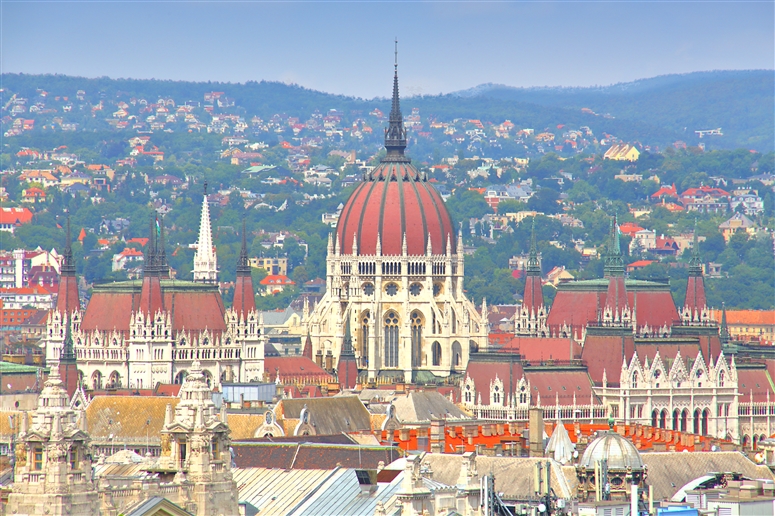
(168, 285)
(11, 368)
(602, 284)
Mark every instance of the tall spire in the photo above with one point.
(395, 133)
(67, 298)
(724, 330)
(614, 265)
(244, 296)
(695, 263)
(205, 260)
(695, 301)
(68, 265)
(532, 262)
(150, 255)
(243, 266)
(161, 253)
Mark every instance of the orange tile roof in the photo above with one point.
(752, 317)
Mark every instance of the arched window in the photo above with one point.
(391, 339)
(696, 422)
(676, 419)
(635, 380)
(457, 354)
(721, 378)
(654, 417)
(663, 419)
(523, 395)
(468, 395)
(416, 318)
(496, 395)
(436, 350)
(684, 420)
(705, 417)
(363, 343)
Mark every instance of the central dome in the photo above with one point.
(394, 201)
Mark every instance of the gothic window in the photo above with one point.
(437, 289)
(206, 342)
(415, 289)
(468, 395)
(364, 340)
(496, 395)
(436, 350)
(457, 354)
(368, 289)
(416, 319)
(523, 395)
(635, 380)
(391, 339)
(721, 379)
(73, 458)
(391, 289)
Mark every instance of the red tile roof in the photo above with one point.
(15, 216)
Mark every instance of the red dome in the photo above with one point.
(391, 201)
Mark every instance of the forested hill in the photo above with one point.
(741, 103)
(656, 111)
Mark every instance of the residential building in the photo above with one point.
(272, 266)
(622, 152)
(12, 218)
(738, 223)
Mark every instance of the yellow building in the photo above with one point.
(276, 266)
(749, 324)
(622, 152)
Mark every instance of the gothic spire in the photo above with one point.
(150, 254)
(205, 259)
(532, 262)
(724, 330)
(243, 266)
(347, 345)
(68, 265)
(161, 252)
(395, 133)
(614, 265)
(695, 263)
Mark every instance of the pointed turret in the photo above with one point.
(395, 133)
(244, 295)
(616, 298)
(151, 299)
(724, 330)
(696, 300)
(67, 299)
(162, 267)
(67, 367)
(347, 369)
(533, 298)
(205, 260)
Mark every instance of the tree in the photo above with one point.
(545, 200)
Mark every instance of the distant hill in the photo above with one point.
(741, 103)
(656, 111)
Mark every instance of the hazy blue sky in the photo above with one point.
(347, 47)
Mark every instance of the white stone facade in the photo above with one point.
(153, 352)
(407, 313)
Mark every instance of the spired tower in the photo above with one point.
(205, 259)
(53, 471)
(196, 446)
(617, 311)
(531, 318)
(395, 272)
(695, 310)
